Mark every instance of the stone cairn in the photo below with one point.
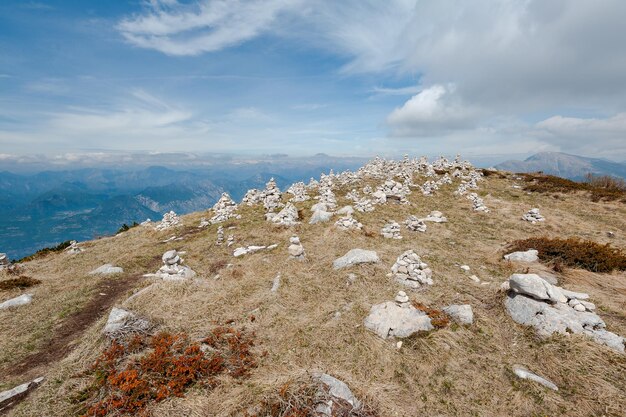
(230, 240)
(414, 224)
(533, 216)
(328, 198)
(409, 270)
(295, 249)
(220, 235)
(394, 191)
(170, 220)
(203, 223)
(477, 203)
(364, 205)
(348, 223)
(288, 216)
(271, 196)
(252, 197)
(436, 217)
(391, 231)
(298, 190)
(73, 248)
(429, 187)
(173, 268)
(224, 209)
(4, 261)
(402, 300)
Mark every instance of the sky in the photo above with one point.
(350, 77)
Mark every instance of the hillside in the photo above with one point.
(565, 165)
(268, 321)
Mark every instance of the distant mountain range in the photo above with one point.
(565, 165)
(50, 207)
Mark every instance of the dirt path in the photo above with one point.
(73, 326)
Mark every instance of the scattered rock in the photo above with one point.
(356, 256)
(348, 223)
(107, 269)
(397, 318)
(523, 373)
(11, 397)
(409, 270)
(73, 248)
(339, 394)
(436, 217)
(530, 255)
(17, 301)
(251, 249)
(461, 314)
(533, 216)
(465, 268)
(275, 283)
(122, 323)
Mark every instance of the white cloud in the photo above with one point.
(181, 29)
(434, 111)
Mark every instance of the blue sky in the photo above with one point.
(299, 77)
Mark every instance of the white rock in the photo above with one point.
(276, 283)
(525, 374)
(14, 394)
(17, 301)
(390, 320)
(536, 287)
(465, 268)
(320, 216)
(530, 255)
(462, 314)
(356, 256)
(107, 269)
(120, 321)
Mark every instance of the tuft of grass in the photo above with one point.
(45, 251)
(20, 282)
(130, 376)
(574, 252)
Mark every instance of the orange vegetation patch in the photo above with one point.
(128, 377)
(438, 318)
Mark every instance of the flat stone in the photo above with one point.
(356, 256)
(530, 255)
(338, 389)
(523, 373)
(17, 301)
(107, 269)
(8, 397)
(390, 320)
(461, 314)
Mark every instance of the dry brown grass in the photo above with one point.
(452, 371)
(602, 188)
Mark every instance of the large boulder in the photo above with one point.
(355, 257)
(535, 286)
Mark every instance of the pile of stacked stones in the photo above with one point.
(328, 198)
(170, 220)
(73, 248)
(4, 261)
(414, 224)
(436, 217)
(224, 209)
(477, 203)
(364, 205)
(295, 249)
(393, 190)
(252, 197)
(533, 216)
(298, 190)
(429, 187)
(220, 235)
(391, 231)
(288, 216)
(173, 268)
(353, 195)
(271, 196)
(203, 222)
(230, 240)
(409, 270)
(348, 222)
(397, 318)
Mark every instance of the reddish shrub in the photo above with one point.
(170, 364)
(438, 318)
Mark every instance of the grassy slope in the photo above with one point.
(454, 371)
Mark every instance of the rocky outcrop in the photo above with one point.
(532, 301)
(169, 221)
